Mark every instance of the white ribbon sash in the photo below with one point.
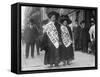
(52, 33)
(65, 36)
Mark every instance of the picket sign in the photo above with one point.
(52, 33)
(65, 36)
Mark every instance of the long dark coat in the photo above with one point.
(30, 35)
(84, 38)
(66, 53)
(77, 31)
(51, 53)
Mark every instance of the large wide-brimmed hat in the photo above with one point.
(65, 17)
(83, 21)
(53, 13)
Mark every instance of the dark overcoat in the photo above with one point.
(84, 38)
(30, 35)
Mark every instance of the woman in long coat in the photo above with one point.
(66, 49)
(50, 42)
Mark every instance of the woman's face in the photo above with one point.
(53, 18)
(65, 23)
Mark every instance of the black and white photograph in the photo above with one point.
(57, 38)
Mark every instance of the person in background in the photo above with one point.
(92, 36)
(30, 35)
(38, 41)
(84, 37)
(76, 30)
(66, 49)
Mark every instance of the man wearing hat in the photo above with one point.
(30, 35)
(84, 36)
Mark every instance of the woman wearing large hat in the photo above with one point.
(51, 40)
(66, 49)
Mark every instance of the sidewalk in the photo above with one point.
(36, 63)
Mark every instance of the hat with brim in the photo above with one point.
(53, 13)
(65, 18)
(83, 21)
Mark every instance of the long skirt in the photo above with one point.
(51, 55)
(66, 53)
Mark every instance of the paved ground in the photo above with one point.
(36, 63)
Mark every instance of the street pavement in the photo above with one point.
(36, 63)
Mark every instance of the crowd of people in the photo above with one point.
(56, 38)
(85, 37)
